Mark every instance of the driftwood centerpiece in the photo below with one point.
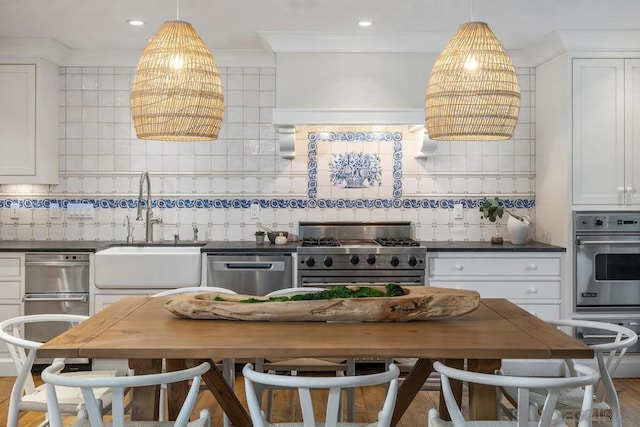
(416, 303)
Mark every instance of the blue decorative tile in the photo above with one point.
(312, 144)
(418, 203)
(355, 170)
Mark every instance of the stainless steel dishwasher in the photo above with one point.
(250, 273)
(55, 283)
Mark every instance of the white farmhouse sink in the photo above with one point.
(148, 267)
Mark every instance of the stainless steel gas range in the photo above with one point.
(334, 253)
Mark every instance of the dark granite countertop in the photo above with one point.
(251, 246)
(488, 247)
(51, 245)
(94, 246)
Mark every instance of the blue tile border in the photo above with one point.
(312, 147)
(277, 203)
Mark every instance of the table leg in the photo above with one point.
(145, 400)
(483, 402)
(410, 387)
(225, 395)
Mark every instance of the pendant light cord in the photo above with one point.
(177, 10)
(471, 9)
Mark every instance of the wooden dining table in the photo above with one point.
(142, 330)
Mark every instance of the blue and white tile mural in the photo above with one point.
(340, 172)
(355, 170)
(342, 162)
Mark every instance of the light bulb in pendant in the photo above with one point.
(471, 64)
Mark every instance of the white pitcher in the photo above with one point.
(518, 229)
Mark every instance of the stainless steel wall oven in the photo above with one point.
(607, 261)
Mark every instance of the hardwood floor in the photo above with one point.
(367, 404)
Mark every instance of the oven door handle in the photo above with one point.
(248, 266)
(57, 263)
(27, 298)
(581, 242)
(595, 337)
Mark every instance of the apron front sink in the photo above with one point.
(149, 266)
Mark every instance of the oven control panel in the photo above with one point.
(607, 221)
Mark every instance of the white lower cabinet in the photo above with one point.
(532, 280)
(11, 290)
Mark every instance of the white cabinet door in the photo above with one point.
(17, 119)
(598, 131)
(632, 131)
(28, 121)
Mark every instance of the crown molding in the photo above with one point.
(316, 116)
(57, 53)
(589, 42)
(297, 41)
(33, 47)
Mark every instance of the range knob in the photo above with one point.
(310, 262)
(395, 261)
(371, 259)
(598, 222)
(328, 261)
(354, 259)
(413, 261)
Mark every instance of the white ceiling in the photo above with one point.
(236, 24)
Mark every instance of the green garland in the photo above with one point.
(391, 290)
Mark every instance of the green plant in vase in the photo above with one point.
(259, 237)
(492, 210)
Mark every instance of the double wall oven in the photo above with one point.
(339, 253)
(607, 269)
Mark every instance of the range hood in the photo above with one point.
(351, 116)
(286, 120)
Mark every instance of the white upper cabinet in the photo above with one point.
(28, 122)
(605, 115)
(632, 130)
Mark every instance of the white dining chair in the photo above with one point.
(25, 396)
(613, 342)
(92, 414)
(306, 364)
(334, 386)
(549, 417)
(228, 365)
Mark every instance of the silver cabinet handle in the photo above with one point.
(82, 298)
(58, 263)
(581, 242)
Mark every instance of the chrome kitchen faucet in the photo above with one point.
(149, 219)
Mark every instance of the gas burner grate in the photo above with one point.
(396, 241)
(323, 241)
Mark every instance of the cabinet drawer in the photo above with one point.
(10, 290)
(9, 267)
(509, 290)
(543, 311)
(494, 267)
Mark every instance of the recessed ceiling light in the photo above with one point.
(365, 23)
(135, 22)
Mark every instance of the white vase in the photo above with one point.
(518, 230)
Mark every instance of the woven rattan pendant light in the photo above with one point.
(473, 92)
(176, 93)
